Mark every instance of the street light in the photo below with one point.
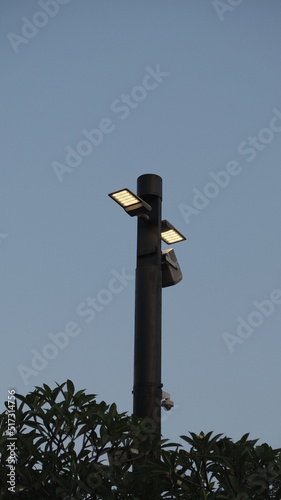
(155, 270)
(170, 234)
(131, 203)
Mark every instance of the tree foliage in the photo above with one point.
(69, 446)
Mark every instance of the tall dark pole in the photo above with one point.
(148, 304)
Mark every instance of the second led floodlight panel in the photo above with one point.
(170, 234)
(131, 203)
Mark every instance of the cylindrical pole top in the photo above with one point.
(149, 184)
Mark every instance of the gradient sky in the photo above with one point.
(188, 90)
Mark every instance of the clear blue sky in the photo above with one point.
(186, 90)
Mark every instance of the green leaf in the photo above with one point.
(70, 387)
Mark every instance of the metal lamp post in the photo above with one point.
(147, 389)
(147, 204)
